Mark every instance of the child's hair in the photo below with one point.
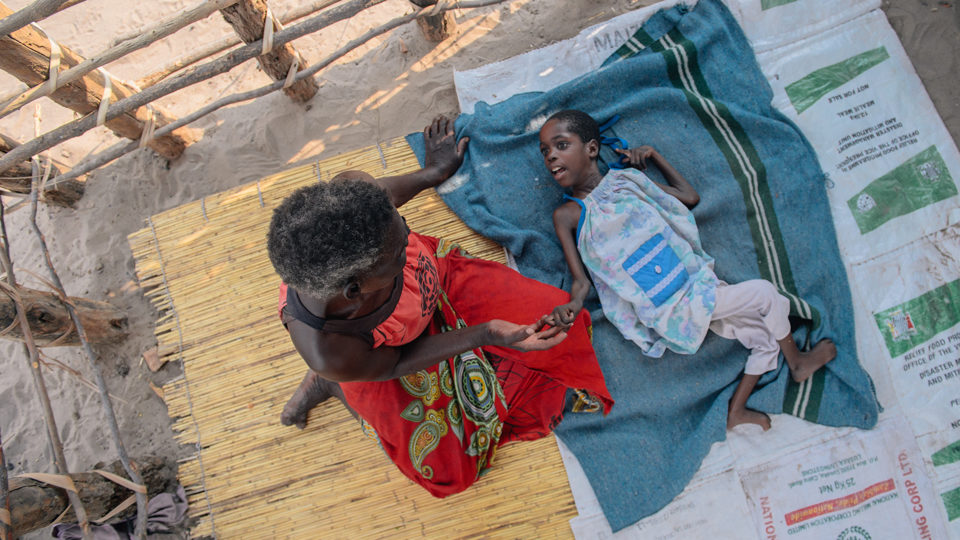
(579, 123)
(324, 234)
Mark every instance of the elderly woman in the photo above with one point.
(442, 357)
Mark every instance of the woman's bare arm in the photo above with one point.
(345, 358)
(443, 156)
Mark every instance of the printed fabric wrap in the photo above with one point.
(642, 249)
(442, 426)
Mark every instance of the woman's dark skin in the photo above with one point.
(334, 358)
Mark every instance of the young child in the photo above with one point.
(640, 244)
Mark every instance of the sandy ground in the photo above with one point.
(390, 87)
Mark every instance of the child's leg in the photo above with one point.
(803, 364)
(753, 313)
(737, 411)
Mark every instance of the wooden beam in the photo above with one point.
(49, 320)
(17, 179)
(248, 18)
(190, 77)
(25, 54)
(437, 27)
(222, 44)
(143, 38)
(39, 10)
(120, 149)
(35, 505)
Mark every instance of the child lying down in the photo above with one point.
(640, 244)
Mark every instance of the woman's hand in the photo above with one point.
(636, 157)
(564, 315)
(444, 153)
(530, 337)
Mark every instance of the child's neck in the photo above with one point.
(591, 180)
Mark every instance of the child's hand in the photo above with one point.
(564, 315)
(530, 337)
(636, 157)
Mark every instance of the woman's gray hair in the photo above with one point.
(323, 235)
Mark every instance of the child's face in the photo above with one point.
(566, 156)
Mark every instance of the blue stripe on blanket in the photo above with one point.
(690, 87)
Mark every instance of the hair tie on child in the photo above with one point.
(615, 143)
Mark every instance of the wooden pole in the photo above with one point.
(33, 361)
(6, 524)
(190, 77)
(141, 497)
(225, 43)
(35, 505)
(121, 149)
(17, 180)
(248, 19)
(69, 3)
(36, 11)
(25, 54)
(50, 323)
(437, 27)
(144, 37)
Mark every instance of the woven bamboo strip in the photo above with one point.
(260, 479)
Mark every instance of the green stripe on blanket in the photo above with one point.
(680, 55)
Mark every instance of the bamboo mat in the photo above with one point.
(204, 266)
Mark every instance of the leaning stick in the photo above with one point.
(121, 149)
(33, 359)
(225, 43)
(18, 179)
(41, 9)
(251, 20)
(192, 76)
(141, 40)
(69, 3)
(6, 524)
(94, 367)
(26, 54)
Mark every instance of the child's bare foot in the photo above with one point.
(747, 416)
(804, 364)
(312, 391)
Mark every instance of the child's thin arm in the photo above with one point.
(565, 220)
(678, 185)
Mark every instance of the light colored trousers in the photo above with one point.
(755, 314)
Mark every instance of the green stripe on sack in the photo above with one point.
(917, 320)
(951, 501)
(805, 92)
(920, 181)
(946, 455)
(769, 4)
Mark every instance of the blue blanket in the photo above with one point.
(687, 84)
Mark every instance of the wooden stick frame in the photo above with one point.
(36, 11)
(192, 76)
(147, 37)
(121, 149)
